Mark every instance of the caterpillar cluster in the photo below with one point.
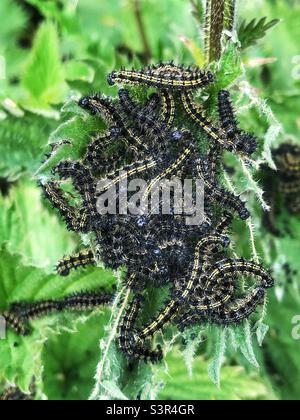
(146, 140)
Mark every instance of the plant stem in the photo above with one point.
(142, 30)
(220, 16)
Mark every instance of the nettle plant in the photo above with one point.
(174, 282)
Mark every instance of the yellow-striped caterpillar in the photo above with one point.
(164, 76)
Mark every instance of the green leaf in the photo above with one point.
(261, 332)
(21, 356)
(281, 348)
(237, 384)
(246, 344)
(214, 368)
(70, 361)
(79, 130)
(229, 68)
(13, 22)
(29, 229)
(78, 70)
(250, 33)
(21, 144)
(43, 77)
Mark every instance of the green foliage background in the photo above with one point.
(52, 52)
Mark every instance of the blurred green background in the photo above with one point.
(54, 51)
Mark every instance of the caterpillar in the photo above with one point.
(16, 323)
(287, 158)
(196, 113)
(233, 313)
(25, 311)
(235, 141)
(226, 113)
(145, 119)
(97, 104)
(129, 170)
(294, 205)
(168, 108)
(200, 252)
(181, 295)
(289, 187)
(81, 259)
(239, 309)
(84, 183)
(163, 175)
(128, 342)
(221, 296)
(229, 267)
(224, 224)
(162, 319)
(163, 77)
(76, 220)
(219, 194)
(96, 157)
(15, 394)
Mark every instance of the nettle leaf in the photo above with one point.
(79, 130)
(79, 70)
(70, 361)
(14, 22)
(282, 344)
(229, 68)
(44, 77)
(21, 356)
(29, 229)
(21, 144)
(237, 384)
(214, 368)
(250, 33)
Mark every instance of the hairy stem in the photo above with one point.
(220, 16)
